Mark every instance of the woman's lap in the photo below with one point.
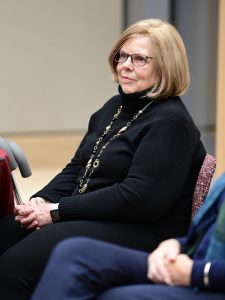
(22, 265)
(157, 292)
(11, 232)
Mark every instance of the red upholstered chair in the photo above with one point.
(11, 157)
(203, 182)
(6, 186)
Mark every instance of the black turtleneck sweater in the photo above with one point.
(146, 175)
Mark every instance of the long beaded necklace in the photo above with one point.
(92, 163)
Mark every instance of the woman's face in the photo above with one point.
(133, 78)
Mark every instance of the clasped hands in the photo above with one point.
(35, 214)
(166, 265)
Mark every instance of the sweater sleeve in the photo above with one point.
(216, 276)
(155, 181)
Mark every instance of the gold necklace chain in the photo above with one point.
(92, 163)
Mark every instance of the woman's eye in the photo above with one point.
(123, 55)
(139, 58)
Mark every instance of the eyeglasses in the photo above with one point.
(136, 59)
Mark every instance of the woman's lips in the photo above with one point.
(126, 79)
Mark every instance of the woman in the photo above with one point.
(132, 178)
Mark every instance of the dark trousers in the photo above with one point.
(84, 269)
(21, 266)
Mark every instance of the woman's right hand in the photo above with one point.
(25, 213)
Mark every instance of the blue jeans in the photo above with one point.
(83, 269)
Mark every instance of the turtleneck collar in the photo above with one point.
(135, 101)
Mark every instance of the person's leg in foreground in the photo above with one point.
(157, 292)
(83, 268)
(88, 269)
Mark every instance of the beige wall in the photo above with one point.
(53, 62)
(220, 118)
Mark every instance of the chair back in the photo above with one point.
(203, 182)
(6, 187)
(16, 159)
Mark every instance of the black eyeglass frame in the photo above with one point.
(132, 56)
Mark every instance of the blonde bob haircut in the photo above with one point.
(171, 63)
